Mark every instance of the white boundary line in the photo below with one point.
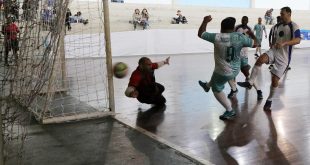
(186, 154)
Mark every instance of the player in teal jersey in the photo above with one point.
(227, 47)
(259, 28)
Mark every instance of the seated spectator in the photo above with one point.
(136, 18)
(144, 18)
(179, 18)
(268, 17)
(77, 18)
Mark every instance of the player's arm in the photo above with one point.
(270, 37)
(252, 36)
(265, 31)
(203, 25)
(131, 90)
(164, 62)
(296, 40)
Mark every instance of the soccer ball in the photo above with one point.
(120, 70)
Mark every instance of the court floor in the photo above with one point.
(191, 121)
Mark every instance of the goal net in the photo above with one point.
(52, 63)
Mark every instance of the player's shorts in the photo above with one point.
(259, 42)
(218, 81)
(280, 64)
(244, 62)
(11, 45)
(244, 53)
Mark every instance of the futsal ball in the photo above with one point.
(120, 70)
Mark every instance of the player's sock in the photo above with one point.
(271, 93)
(220, 96)
(232, 84)
(260, 50)
(254, 74)
(256, 85)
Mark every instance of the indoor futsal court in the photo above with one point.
(191, 121)
(63, 99)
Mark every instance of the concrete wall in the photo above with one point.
(162, 37)
(160, 15)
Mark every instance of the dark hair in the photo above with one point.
(142, 60)
(286, 9)
(228, 23)
(245, 17)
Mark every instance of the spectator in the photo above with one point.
(142, 84)
(144, 18)
(136, 18)
(29, 10)
(51, 3)
(10, 31)
(12, 8)
(46, 16)
(1, 9)
(77, 18)
(179, 18)
(67, 23)
(268, 17)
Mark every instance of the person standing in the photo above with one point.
(67, 20)
(286, 36)
(10, 39)
(227, 47)
(244, 29)
(258, 29)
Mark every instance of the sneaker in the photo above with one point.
(271, 66)
(204, 86)
(259, 95)
(228, 115)
(245, 84)
(232, 93)
(267, 105)
(256, 55)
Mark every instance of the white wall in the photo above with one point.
(145, 42)
(278, 4)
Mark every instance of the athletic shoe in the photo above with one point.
(270, 66)
(259, 95)
(228, 115)
(267, 105)
(204, 86)
(232, 93)
(256, 55)
(245, 84)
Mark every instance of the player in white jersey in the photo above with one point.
(244, 29)
(286, 35)
(227, 47)
(259, 28)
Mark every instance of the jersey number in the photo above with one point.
(230, 54)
